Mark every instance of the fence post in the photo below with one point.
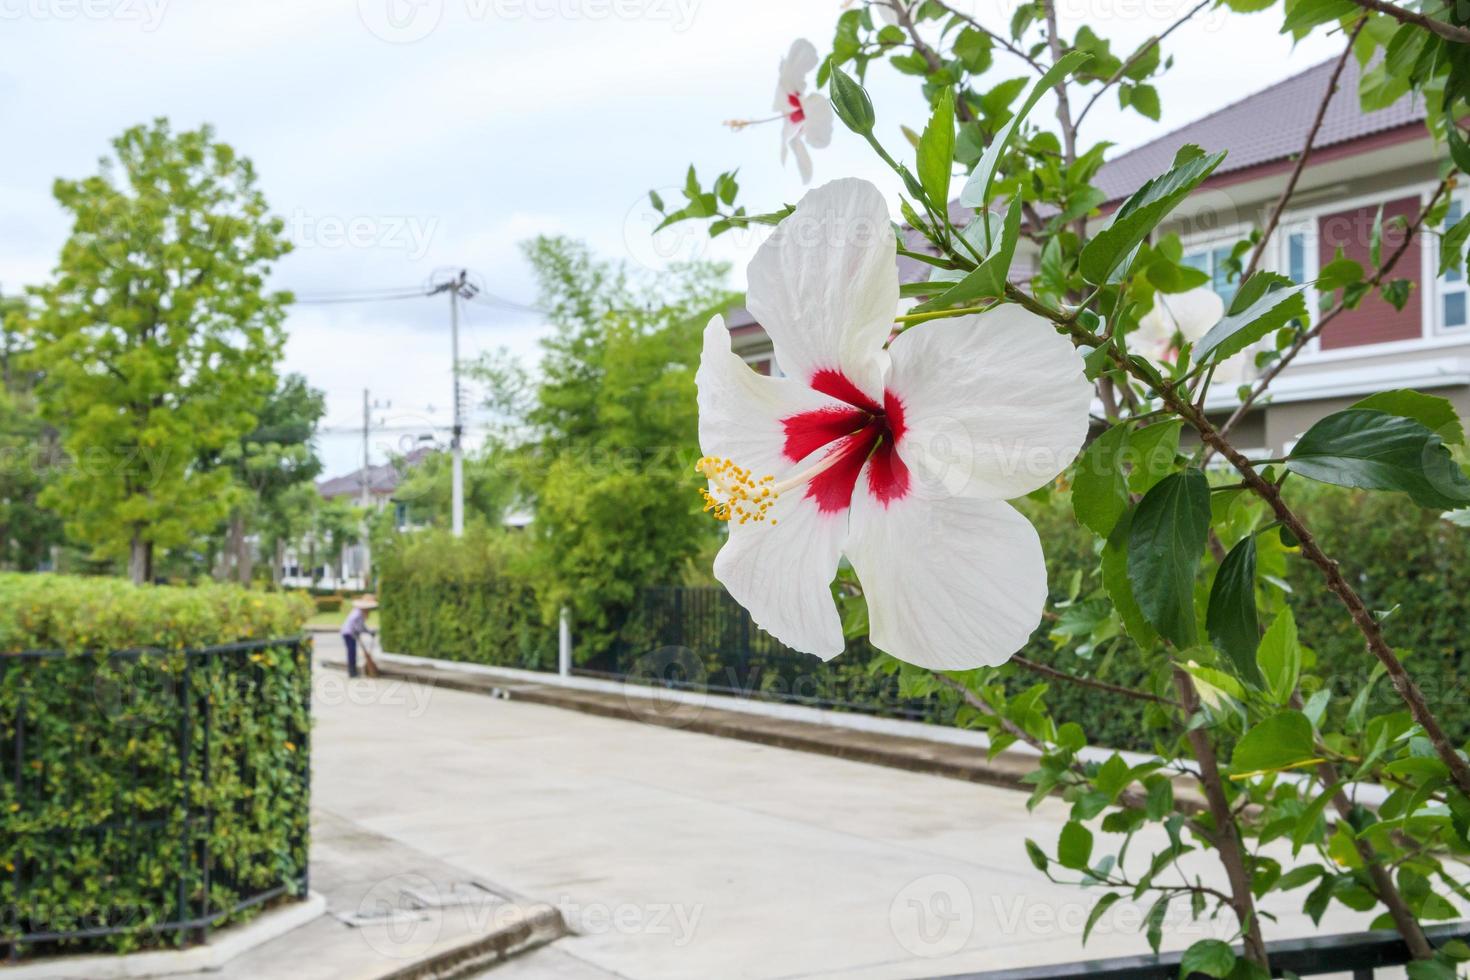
(564, 643)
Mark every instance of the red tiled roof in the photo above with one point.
(1268, 126)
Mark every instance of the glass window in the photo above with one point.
(1454, 296)
(1296, 257)
(1214, 262)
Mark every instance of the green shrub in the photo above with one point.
(466, 598)
(147, 781)
(328, 603)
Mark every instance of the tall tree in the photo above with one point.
(269, 460)
(29, 453)
(157, 340)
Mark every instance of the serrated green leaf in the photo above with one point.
(1279, 657)
(1143, 211)
(1165, 544)
(1282, 741)
(989, 279)
(1231, 619)
(1100, 487)
(1373, 450)
(1436, 414)
(1115, 582)
(1074, 846)
(1098, 910)
(1236, 332)
(935, 157)
(1210, 957)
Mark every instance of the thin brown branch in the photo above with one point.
(930, 56)
(1301, 159)
(1143, 49)
(1307, 336)
(1383, 883)
(996, 38)
(1227, 831)
(1126, 692)
(1449, 32)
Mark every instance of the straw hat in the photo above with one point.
(368, 601)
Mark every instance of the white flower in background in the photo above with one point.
(1188, 316)
(901, 458)
(806, 116)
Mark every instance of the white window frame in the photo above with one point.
(1441, 288)
(1311, 263)
(1430, 338)
(1211, 240)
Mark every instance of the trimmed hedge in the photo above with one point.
(156, 782)
(467, 599)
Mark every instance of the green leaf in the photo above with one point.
(1165, 544)
(1303, 15)
(1211, 957)
(976, 192)
(1098, 910)
(1372, 450)
(973, 48)
(1145, 98)
(1274, 310)
(1151, 452)
(989, 279)
(1074, 847)
(851, 103)
(1436, 414)
(1143, 211)
(1282, 741)
(1119, 589)
(1459, 149)
(1231, 619)
(1452, 246)
(936, 151)
(1100, 487)
(1280, 657)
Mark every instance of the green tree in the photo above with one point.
(608, 466)
(271, 459)
(156, 338)
(29, 453)
(337, 524)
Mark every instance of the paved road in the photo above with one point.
(675, 854)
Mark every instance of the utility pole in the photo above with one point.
(458, 288)
(456, 447)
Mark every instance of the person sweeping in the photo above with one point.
(354, 627)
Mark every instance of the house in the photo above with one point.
(373, 487)
(1361, 161)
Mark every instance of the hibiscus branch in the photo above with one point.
(1307, 336)
(1133, 59)
(1270, 492)
(1383, 883)
(1227, 838)
(1097, 685)
(930, 56)
(1449, 32)
(996, 38)
(1301, 159)
(1064, 105)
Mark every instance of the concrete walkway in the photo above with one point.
(677, 854)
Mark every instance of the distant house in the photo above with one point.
(373, 487)
(1361, 161)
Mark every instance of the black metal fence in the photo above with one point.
(149, 795)
(702, 639)
(1359, 954)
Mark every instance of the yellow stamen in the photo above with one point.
(735, 495)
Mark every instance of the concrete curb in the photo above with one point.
(227, 944)
(542, 925)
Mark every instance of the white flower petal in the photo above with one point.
(740, 411)
(825, 285)
(803, 160)
(994, 405)
(782, 573)
(801, 59)
(817, 127)
(951, 583)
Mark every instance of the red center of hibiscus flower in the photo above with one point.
(797, 113)
(862, 432)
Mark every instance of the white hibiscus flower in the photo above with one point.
(806, 115)
(901, 457)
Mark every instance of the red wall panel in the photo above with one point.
(1374, 321)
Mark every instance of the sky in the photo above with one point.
(402, 139)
